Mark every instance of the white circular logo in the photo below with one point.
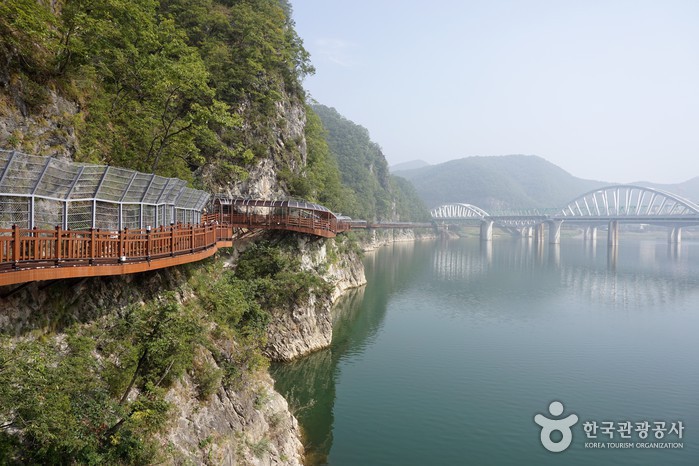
(549, 426)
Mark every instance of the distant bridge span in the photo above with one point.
(607, 205)
(630, 203)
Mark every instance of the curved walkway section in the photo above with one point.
(289, 214)
(29, 255)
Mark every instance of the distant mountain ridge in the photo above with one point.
(512, 182)
(688, 189)
(410, 165)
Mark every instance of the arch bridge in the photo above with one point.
(609, 205)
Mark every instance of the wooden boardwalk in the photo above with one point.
(29, 255)
(33, 254)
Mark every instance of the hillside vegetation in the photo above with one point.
(377, 195)
(164, 86)
(496, 183)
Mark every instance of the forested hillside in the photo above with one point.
(492, 183)
(169, 367)
(363, 168)
(688, 189)
(164, 86)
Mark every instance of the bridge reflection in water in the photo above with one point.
(584, 268)
(492, 287)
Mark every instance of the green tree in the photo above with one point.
(364, 170)
(152, 107)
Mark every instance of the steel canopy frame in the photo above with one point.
(44, 192)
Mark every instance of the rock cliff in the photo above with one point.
(309, 326)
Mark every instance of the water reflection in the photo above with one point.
(309, 383)
(507, 284)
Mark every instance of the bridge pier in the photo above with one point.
(487, 230)
(675, 235)
(555, 231)
(590, 234)
(539, 231)
(613, 233)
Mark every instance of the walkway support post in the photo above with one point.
(93, 246)
(15, 244)
(487, 230)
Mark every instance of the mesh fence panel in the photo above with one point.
(148, 216)
(57, 179)
(138, 187)
(80, 215)
(86, 185)
(107, 215)
(47, 213)
(14, 211)
(155, 190)
(21, 173)
(131, 216)
(171, 191)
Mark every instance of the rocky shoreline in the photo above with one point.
(251, 424)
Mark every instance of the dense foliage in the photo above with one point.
(363, 168)
(169, 86)
(162, 85)
(95, 394)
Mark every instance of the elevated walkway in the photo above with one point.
(30, 255)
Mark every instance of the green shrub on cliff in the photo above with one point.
(161, 85)
(96, 394)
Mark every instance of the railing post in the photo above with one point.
(15, 245)
(35, 234)
(148, 243)
(122, 234)
(93, 247)
(172, 239)
(58, 243)
(192, 233)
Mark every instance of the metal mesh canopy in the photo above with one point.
(46, 192)
(292, 203)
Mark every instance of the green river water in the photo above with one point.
(452, 349)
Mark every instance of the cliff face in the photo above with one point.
(309, 326)
(251, 425)
(287, 152)
(47, 130)
(246, 422)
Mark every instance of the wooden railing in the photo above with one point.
(311, 224)
(46, 254)
(34, 254)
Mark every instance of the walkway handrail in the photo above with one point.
(34, 254)
(41, 254)
(62, 247)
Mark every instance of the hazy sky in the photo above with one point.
(606, 89)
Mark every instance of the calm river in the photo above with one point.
(452, 348)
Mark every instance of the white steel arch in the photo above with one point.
(618, 201)
(457, 211)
